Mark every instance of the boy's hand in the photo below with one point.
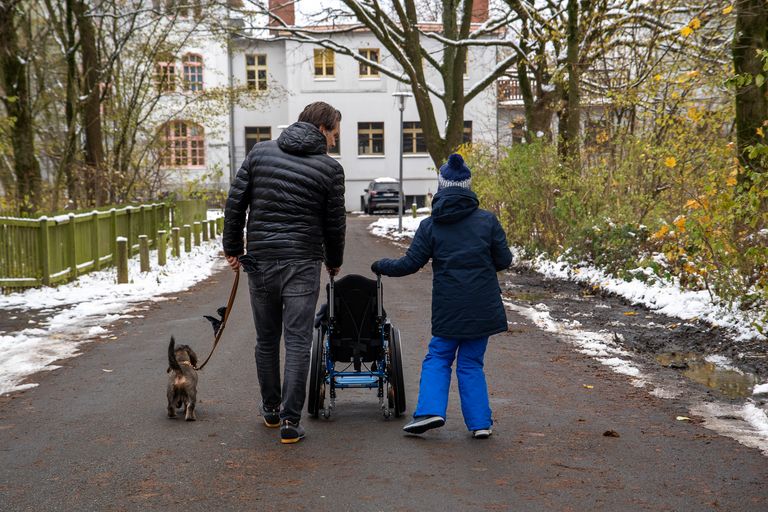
(375, 268)
(333, 271)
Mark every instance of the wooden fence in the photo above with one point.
(47, 251)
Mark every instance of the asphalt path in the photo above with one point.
(94, 435)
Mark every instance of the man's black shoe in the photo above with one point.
(271, 416)
(291, 432)
(421, 424)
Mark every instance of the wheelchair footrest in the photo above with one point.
(356, 381)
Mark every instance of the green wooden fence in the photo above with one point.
(46, 251)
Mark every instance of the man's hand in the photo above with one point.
(233, 262)
(333, 271)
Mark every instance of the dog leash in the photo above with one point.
(224, 320)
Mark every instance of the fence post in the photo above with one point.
(113, 220)
(220, 224)
(142, 220)
(45, 265)
(72, 247)
(176, 245)
(129, 217)
(204, 224)
(213, 228)
(122, 259)
(161, 251)
(187, 238)
(96, 240)
(198, 233)
(143, 253)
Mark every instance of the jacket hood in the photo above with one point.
(302, 139)
(452, 204)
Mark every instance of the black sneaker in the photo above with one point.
(291, 432)
(271, 416)
(421, 424)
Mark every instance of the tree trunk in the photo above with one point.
(94, 146)
(570, 120)
(751, 103)
(14, 69)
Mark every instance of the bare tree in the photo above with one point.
(421, 50)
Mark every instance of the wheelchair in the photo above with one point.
(355, 346)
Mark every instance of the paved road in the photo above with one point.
(89, 439)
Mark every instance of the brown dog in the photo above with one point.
(182, 381)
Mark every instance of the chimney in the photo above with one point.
(283, 9)
(479, 11)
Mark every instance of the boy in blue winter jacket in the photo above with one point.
(467, 246)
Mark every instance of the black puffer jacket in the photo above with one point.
(295, 193)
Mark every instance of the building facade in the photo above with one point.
(287, 76)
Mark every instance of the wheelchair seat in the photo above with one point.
(356, 334)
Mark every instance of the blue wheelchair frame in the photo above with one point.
(368, 379)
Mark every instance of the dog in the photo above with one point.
(182, 381)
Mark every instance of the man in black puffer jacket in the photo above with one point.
(294, 194)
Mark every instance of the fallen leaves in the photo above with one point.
(611, 433)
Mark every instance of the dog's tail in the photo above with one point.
(172, 363)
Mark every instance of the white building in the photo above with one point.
(297, 74)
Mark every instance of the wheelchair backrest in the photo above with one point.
(356, 331)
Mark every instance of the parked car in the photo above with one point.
(381, 194)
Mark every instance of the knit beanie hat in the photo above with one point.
(454, 173)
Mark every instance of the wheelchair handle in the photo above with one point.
(330, 300)
(379, 297)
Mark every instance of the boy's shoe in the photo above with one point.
(271, 416)
(483, 433)
(421, 424)
(291, 432)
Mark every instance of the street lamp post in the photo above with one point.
(401, 96)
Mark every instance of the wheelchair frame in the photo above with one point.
(386, 378)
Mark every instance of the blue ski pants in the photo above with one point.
(436, 380)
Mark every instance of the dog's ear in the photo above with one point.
(192, 356)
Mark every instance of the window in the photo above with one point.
(193, 72)
(336, 149)
(256, 71)
(413, 138)
(324, 63)
(464, 71)
(467, 136)
(183, 144)
(370, 138)
(256, 134)
(165, 74)
(367, 71)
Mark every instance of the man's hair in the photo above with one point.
(320, 113)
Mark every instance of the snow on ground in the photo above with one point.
(81, 309)
(744, 422)
(666, 298)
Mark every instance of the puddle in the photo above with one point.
(527, 296)
(728, 381)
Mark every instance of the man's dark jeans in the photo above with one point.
(283, 296)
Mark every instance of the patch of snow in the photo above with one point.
(663, 297)
(760, 389)
(386, 227)
(599, 345)
(750, 426)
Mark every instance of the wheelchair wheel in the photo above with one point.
(316, 394)
(396, 380)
